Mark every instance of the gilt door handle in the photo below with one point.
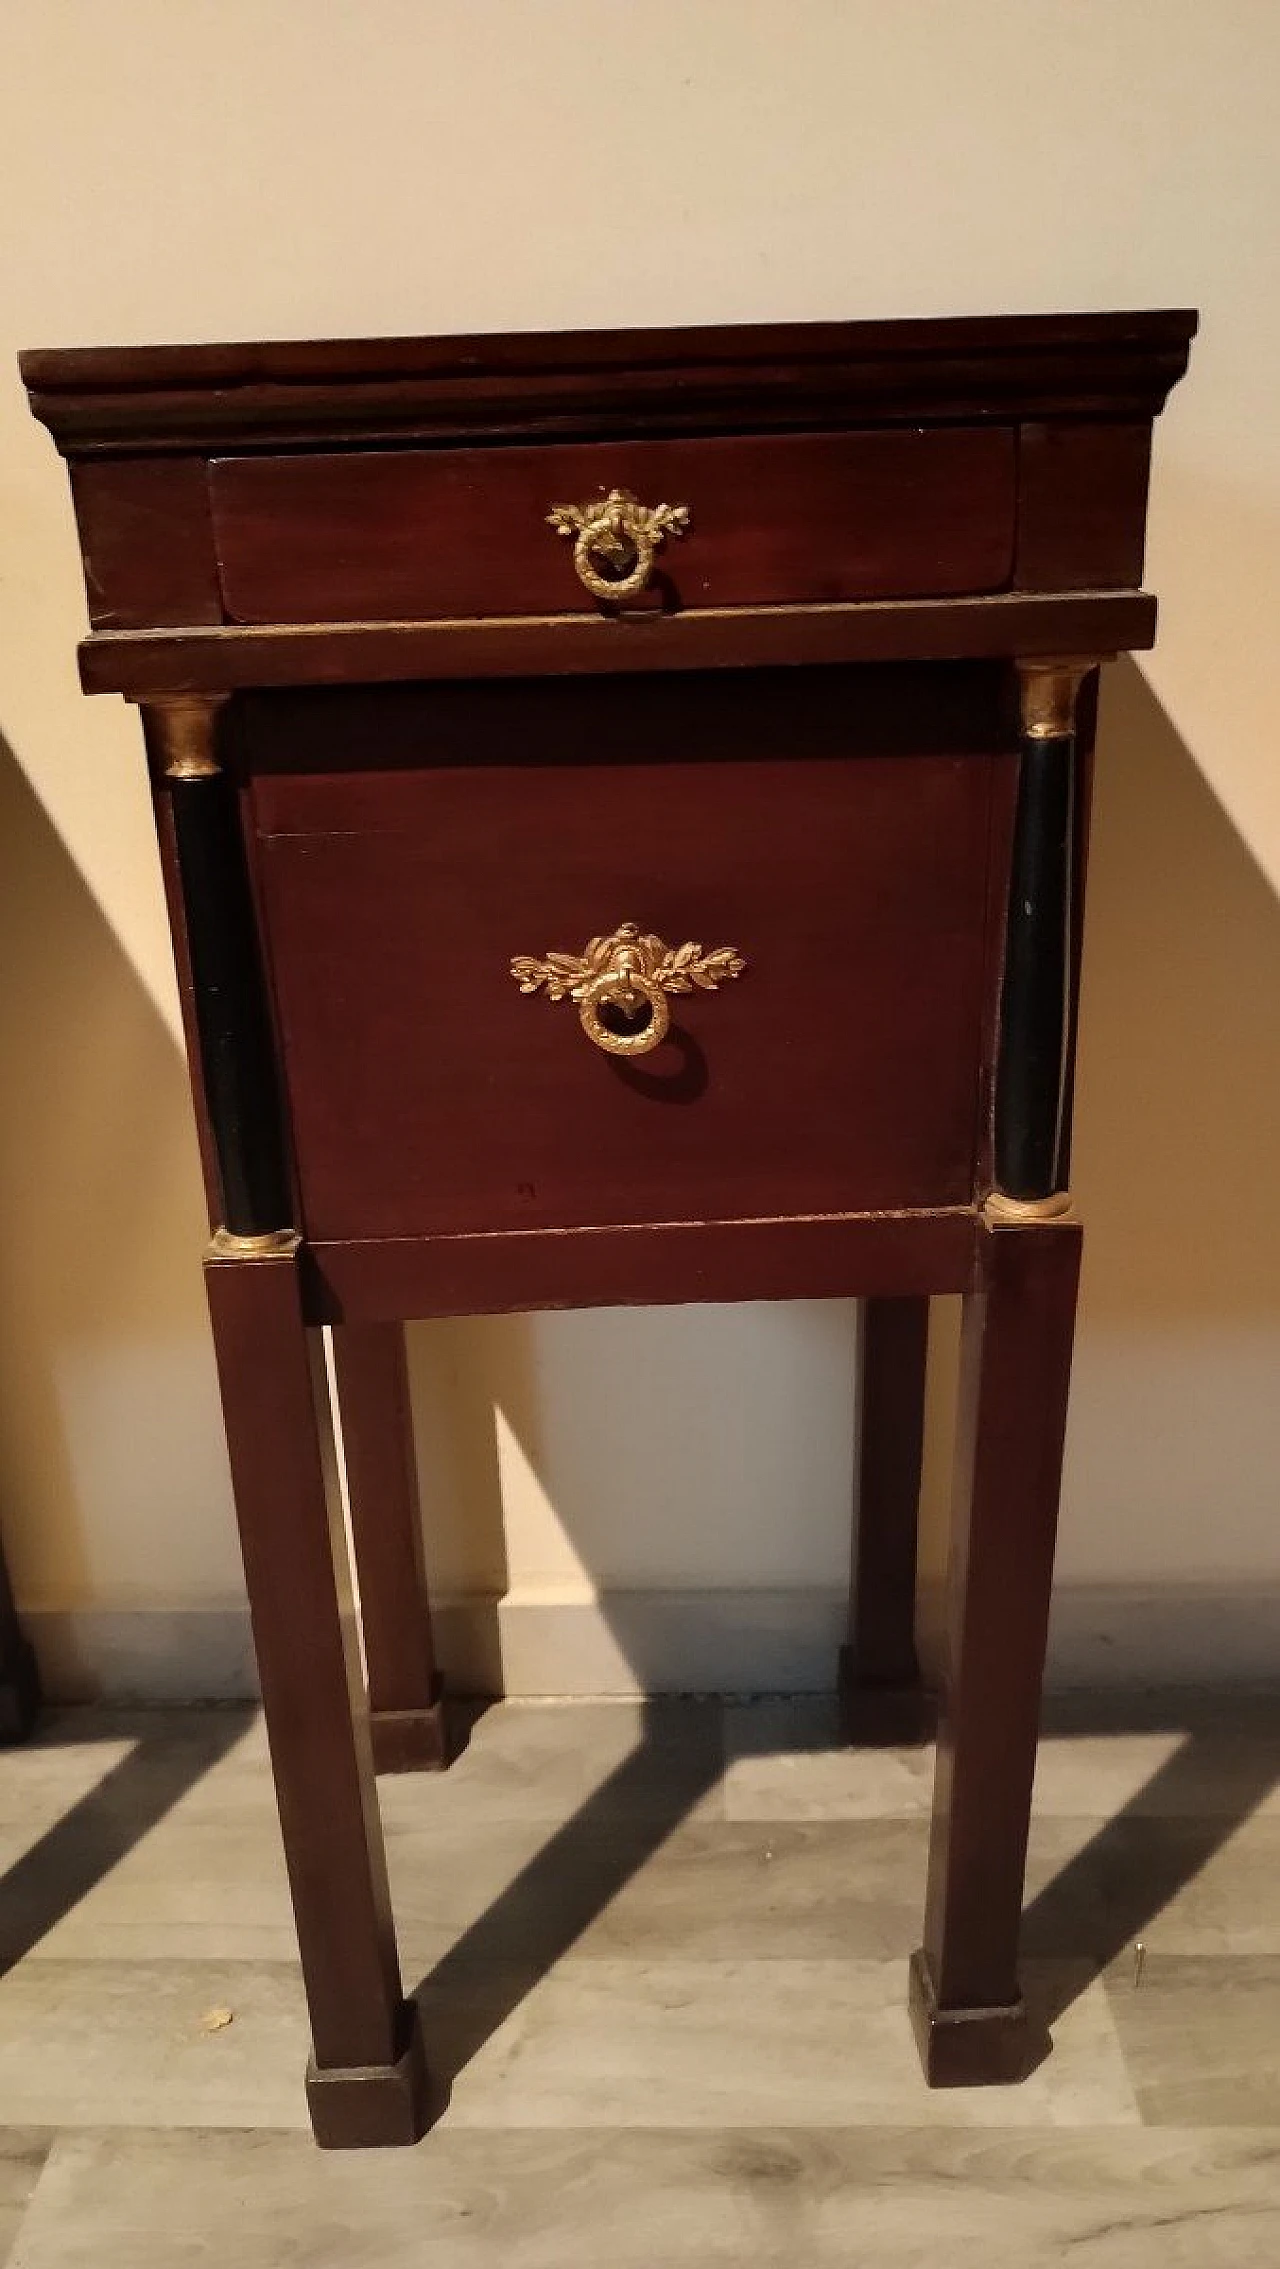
(621, 983)
(615, 540)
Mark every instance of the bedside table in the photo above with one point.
(623, 800)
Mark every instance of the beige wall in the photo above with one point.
(179, 170)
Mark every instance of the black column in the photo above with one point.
(237, 1052)
(1036, 1008)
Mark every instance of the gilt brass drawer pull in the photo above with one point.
(621, 982)
(615, 539)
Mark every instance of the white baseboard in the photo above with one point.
(763, 1641)
(647, 1642)
(1108, 1635)
(145, 1654)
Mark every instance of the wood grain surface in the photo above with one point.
(794, 518)
(834, 832)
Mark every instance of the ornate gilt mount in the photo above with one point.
(615, 540)
(621, 983)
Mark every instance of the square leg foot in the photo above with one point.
(967, 2048)
(411, 1741)
(365, 2106)
(899, 1716)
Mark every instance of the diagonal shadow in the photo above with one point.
(1111, 1892)
(1183, 941)
(96, 1832)
(559, 1893)
(1107, 1895)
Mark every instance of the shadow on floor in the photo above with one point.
(569, 1882)
(96, 1831)
(1100, 1904)
(1112, 1891)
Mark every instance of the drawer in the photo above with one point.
(772, 519)
(834, 833)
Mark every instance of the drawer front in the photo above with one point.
(773, 519)
(840, 1071)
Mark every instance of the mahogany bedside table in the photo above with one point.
(623, 800)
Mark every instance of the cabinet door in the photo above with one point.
(832, 829)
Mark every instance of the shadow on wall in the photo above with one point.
(1173, 1459)
(677, 1488)
(112, 1470)
(1178, 1123)
(683, 1464)
(717, 1458)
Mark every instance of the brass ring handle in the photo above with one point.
(632, 975)
(616, 539)
(628, 993)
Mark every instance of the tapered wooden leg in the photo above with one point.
(366, 2083)
(1015, 1370)
(882, 1697)
(406, 1711)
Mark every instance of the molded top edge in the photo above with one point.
(317, 360)
(500, 385)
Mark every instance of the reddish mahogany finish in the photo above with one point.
(290, 1532)
(835, 831)
(1015, 1369)
(1082, 501)
(1073, 395)
(795, 517)
(147, 538)
(406, 1710)
(145, 664)
(667, 1263)
(879, 1672)
(803, 743)
(706, 378)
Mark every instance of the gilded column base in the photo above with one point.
(226, 1245)
(1004, 1212)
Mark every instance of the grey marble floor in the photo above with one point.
(661, 1955)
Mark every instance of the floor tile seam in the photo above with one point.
(72, 1962)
